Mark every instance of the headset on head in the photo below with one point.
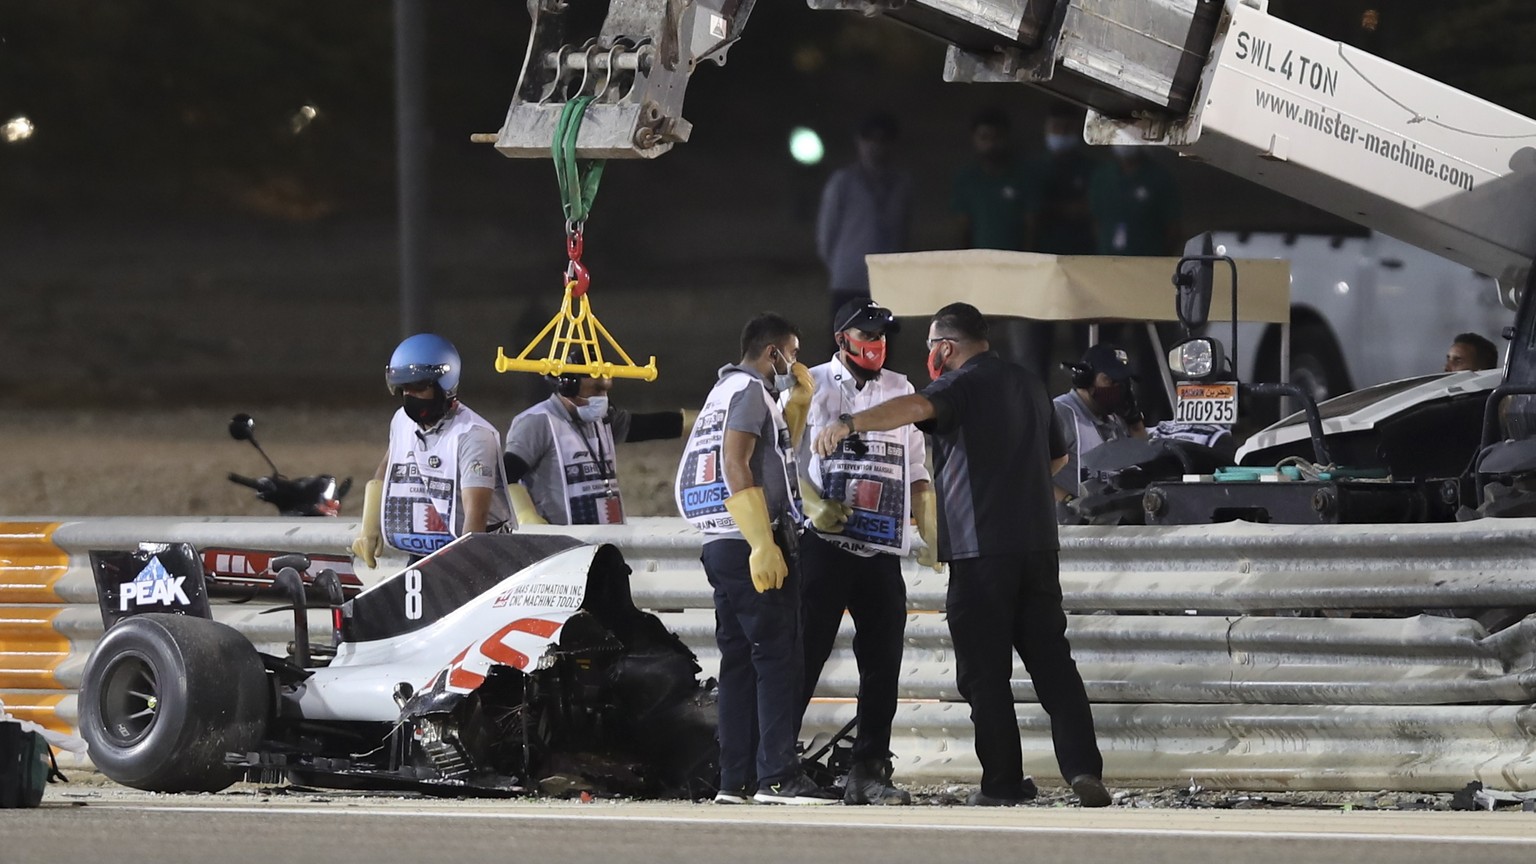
(1082, 375)
(567, 385)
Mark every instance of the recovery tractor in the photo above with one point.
(1224, 83)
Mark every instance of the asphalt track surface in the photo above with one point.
(135, 827)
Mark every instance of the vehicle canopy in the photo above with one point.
(1089, 288)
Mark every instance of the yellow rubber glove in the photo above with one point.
(522, 505)
(925, 507)
(828, 517)
(798, 406)
(370, 539)
(749, 508)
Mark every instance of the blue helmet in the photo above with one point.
(424, 358)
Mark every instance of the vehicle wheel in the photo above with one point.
(166, 696)
(1317, 365)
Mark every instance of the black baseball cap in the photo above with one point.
(864, 314)
(1109, 359)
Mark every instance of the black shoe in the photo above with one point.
(1090, 791)
(1027, 793)
(733, 796)
(796, 790)
(869, 782)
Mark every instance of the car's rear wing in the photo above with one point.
(156, 577)
(179, 579)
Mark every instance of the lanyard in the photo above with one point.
(856, 444)
(599, 454)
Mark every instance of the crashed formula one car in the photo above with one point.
(500, 664)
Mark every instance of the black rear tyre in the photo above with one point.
(165, 697)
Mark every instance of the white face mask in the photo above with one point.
(782, 381)
(1060, 143)
(595, 409)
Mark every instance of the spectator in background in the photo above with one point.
(1135, 205)
(865, 208)
(1470, 352)
(994, 197)
(1060, 222)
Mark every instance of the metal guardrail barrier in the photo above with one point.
(1259, 747)
(1422, 660)
(1243, 694)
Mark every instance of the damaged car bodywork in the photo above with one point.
(501, 663)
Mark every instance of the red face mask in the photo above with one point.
(936, 362)
(866, 355)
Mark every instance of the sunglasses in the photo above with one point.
(877, 315)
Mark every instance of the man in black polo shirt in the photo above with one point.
(995, 447)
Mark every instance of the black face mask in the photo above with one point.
(426, 412)
(1109, 398)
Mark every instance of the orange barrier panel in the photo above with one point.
(40, 708)
(30, 647)
(30, 563)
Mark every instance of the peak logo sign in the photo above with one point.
(154, 586)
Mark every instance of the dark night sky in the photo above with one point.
(183, 107)
(164, 158)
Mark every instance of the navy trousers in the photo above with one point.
(997, 605)
(761, 665)
(871, 590)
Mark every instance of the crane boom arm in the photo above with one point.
(1359, 137)
(1220, 81)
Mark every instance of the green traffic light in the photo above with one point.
(805, 146)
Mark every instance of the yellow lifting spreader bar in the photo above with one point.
(573, 329)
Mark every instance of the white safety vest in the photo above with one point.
(876, 484)
(700, 490)
(589, 481)
(421, 492)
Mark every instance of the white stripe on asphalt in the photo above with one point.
(1075, 830)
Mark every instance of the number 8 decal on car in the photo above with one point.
(413, 594)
